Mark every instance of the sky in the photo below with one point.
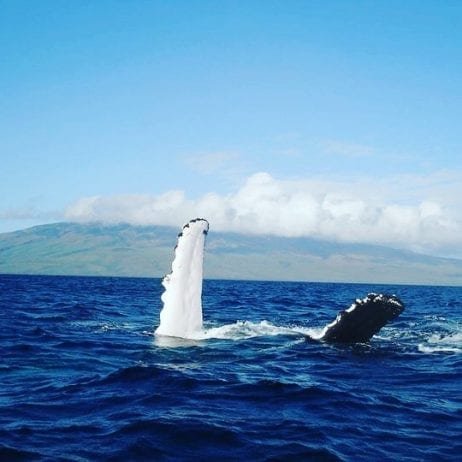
(338, 120)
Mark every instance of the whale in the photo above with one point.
(363, 319)
(181, 315)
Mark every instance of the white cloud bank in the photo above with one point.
(413, 212)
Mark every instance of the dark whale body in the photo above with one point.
(363, 319)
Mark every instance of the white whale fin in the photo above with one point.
(181, 315)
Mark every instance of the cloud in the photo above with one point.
(369, 210)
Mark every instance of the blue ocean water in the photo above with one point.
(82, 377)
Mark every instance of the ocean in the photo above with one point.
(83, 377)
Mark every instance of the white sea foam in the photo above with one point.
(248, 329)
(239, 330)
(437, 343)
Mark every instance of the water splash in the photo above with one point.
(440, 343)
(247, 329)
(239, 330)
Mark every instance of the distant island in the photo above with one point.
(146, 251)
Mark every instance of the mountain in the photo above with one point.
(126, 250)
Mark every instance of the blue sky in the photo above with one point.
(108, 108)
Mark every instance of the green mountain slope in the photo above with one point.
(125, 250)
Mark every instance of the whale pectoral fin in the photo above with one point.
(181, 314)
(363, 319)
